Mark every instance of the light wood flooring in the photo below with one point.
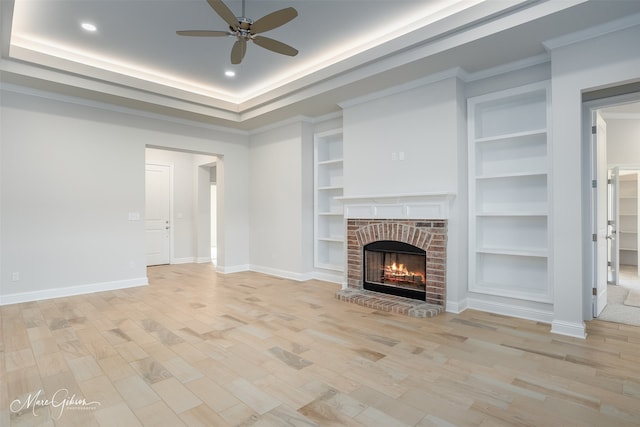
(197, 348)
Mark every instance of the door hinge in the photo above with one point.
(609, 181)
(594, 237)
(594, 130)
(608, 263)
(594, 183)
(594, 292)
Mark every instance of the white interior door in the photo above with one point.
(601, 222)
(614, 221)
(158, 214)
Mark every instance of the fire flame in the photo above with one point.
(398, 272)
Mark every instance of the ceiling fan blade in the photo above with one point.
(238, 51)
(273, 20)
(275, 45)
(203, 33)
(224, 12)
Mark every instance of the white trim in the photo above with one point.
(21, 297)
(405, 87)
(507, 68)
(23, 90)
(593, 32)
(185, 260)
(329, 277)
(620, 116)
(571, 329)
(281, 123)
(399, 206)
(232, 269)
(529, 313)
(203, 260)
(456, 307)
(299, 277)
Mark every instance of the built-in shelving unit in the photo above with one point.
(628, 219)
(328, 212)
(509, 194)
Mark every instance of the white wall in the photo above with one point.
(71, 174)
(282, 201)
(422, 123)
(69, 183)
(623, 142)
(591, 64)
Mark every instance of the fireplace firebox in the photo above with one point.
(395, 268)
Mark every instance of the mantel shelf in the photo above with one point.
(396, 198)
(398, 206)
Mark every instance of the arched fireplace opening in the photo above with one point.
(395, 268)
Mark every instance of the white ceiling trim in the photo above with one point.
(8, 87)
(593, 32)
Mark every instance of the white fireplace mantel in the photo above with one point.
(398, 206)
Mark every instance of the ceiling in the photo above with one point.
(348, 48)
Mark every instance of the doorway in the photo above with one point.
(187, 193)
(615, 198)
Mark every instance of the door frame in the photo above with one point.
(590, 255)
(171, 218)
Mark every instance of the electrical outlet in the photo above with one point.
(15, 276)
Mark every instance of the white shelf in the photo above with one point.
(512, 213)
(542, 253)
(330, 162)
(509, 228)
(512, 175)
(514, 136)
(329, 226)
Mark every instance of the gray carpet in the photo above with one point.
(616, 310)
(633, 299)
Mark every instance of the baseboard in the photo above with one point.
(571, 329)
(299, 277)
(72, 291)
(203, 260)
(538, 315)
(456, 307)
(186, 260)
(232, 269)
(337, 278)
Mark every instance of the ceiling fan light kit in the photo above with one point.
(245, 30)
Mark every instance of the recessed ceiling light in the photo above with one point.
(88, 27)
(230, 73)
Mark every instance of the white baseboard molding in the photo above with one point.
(203, 260)
(529, 313)
(186, 260)
(456, 307)
(17, 298)
(571, 329)
(232, 269)
(337, 278)
(299, 277)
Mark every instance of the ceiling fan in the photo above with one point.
(245, 30)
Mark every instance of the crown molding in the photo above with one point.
(593, 32)
(508, 68)
(405, 87)
(8, 87)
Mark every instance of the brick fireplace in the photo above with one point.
(429, 235)
(416, 220)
